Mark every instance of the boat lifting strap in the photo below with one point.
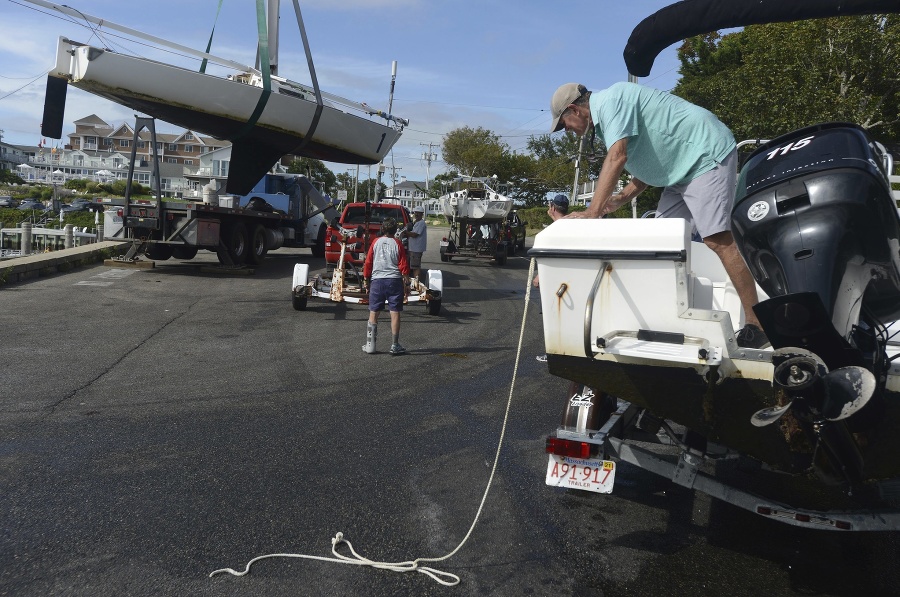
(264, 68)
(211, 33)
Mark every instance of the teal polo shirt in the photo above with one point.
(670, 140)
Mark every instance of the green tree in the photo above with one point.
(314, 170)
(769, 79)
(10, 177)
(476, 152)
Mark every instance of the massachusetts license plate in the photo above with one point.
(589, 474)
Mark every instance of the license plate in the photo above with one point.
(589, 474)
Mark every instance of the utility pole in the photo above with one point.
(429, 157)
(577, 170)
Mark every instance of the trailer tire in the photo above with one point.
(238, 245)
(257, 248)
(184, 252)
(318, 249)
(434, 307)
(299, 302)
(158, 252)
(500, 256)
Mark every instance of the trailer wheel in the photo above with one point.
(500, 256)
(184, 252)
(318, 249)
(434, 307)
(257, 249)
(238, 245)
(299, 302)
(158, 252)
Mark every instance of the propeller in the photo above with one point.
(832, 396)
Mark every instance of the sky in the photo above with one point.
(487, 63)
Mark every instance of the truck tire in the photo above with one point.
(237, 243)
(257, 249)
(318, 249)
(184, 252)
(158, 252)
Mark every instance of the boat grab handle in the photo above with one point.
(589, 310)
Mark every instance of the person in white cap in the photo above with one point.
(664, 141)
(418, 240)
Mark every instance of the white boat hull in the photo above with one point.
(222, 107)
(459, 205)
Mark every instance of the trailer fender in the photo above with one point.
(436, 280)
(301, 275)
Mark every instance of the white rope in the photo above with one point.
(444, 578)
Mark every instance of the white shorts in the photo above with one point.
(706, 201)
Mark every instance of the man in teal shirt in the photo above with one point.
(665, 141)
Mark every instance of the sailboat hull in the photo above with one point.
(223, 107)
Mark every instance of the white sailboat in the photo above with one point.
(265, 116)
(475, 199)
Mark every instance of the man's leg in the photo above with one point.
(724, 246)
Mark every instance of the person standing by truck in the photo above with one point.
(418, 241)
(386, 273)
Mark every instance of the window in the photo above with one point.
(220, 168)
(172, 160)
(189, 162)
(188, 137)
(107, 142)
(159, 146)
(142, 145)
(124, 143)
(189, 149)
(173, 147)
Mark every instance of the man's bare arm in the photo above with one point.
(613, 166)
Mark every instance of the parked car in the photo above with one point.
(8, 202)
(32, 204)
(354, 218)
(515, 232)
(82, 205)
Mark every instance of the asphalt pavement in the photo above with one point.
(159, 424)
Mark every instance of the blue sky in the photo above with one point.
(487, 63)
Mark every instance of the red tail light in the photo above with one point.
(568, 447)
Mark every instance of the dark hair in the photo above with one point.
(389, 227)
(584, 98)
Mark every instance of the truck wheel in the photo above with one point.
(238, 244)
(257, 249)
(434, 307)
(299, 302)
(318, 249)
(158, 252)
(184, 252)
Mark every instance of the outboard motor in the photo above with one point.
(813, 213)
(816, 223)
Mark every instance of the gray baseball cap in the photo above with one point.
(565, 95)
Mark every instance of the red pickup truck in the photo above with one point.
(353, 219)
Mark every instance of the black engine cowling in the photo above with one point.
(813, 213)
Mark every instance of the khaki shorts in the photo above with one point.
(415, 260)
(706, 201)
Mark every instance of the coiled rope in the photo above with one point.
(444, 578)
